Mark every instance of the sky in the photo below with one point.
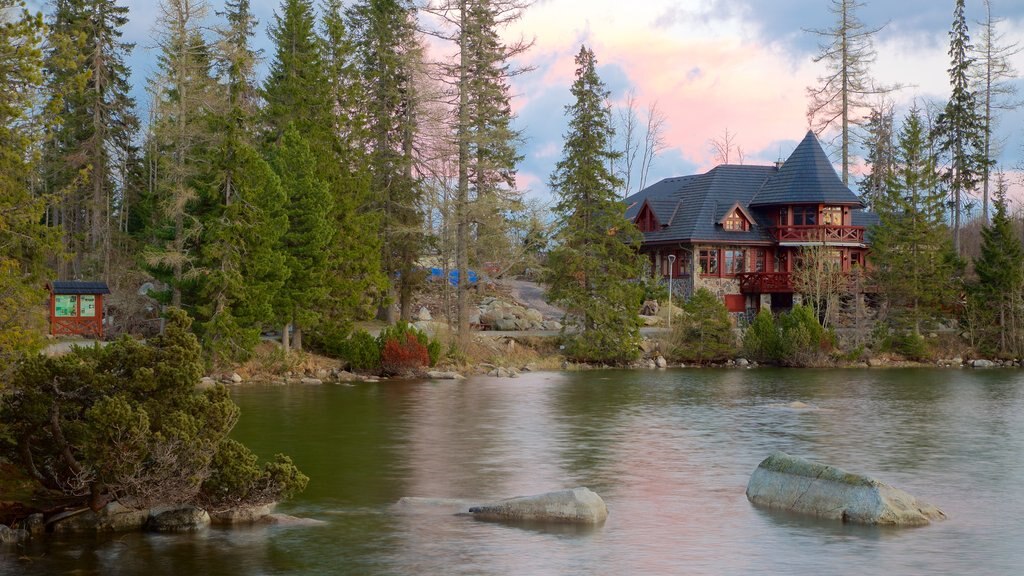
(708, 65)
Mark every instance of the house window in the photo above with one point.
(805, 215)
(708, 262)
(735, 222)
(855, 260)
(734, 261)
(832, 216)
(759, 260)
(682, 265)
(783, 216)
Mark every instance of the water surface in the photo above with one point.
(670, 452)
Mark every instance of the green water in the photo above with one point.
(669, 451)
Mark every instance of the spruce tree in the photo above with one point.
(1000, 287)
(24, 241)
(309, 235)
(878, 141)
(911, 254)
(92, 151)
(241, 258)
(356, 280)
(388, 53)
(593, 270)
(960, 129)
(296, 86)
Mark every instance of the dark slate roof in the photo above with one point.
(807, 177)
(72, 287)
(689, 207)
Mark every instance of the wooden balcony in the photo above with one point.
(819, 234)
(765, 282)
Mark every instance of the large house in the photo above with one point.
(740, 230)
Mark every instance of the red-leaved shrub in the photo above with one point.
(399, 357)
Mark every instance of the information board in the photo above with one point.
(88, 306)
(66, 306)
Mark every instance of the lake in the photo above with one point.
(669, 451)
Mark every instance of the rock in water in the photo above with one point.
(575, 506)
(791, 483)
(178, 519)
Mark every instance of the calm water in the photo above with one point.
(670, 452)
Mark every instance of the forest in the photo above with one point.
(318, 192)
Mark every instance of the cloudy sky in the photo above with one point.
(710, 65)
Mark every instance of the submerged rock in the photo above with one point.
(241, 515)
(286, 520)
(575, 506)
(792, 483)
(438, 375)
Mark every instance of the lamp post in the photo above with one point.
(671, 268)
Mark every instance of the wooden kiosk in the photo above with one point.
(76, 308)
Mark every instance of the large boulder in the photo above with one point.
(177, 519)
(792, 483)
(575, 506)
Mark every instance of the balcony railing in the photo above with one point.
(765, 282)
(826, 234)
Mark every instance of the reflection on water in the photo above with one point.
(669, 451)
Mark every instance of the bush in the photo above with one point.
(362, 351)
(401, 333)
(795, 339)
(127, 421)
(703, 332)
(402, 355)
(804, 341)
(762, 341)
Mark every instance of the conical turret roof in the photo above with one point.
(807, 177)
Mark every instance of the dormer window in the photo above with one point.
(646, 221)
(735, 222)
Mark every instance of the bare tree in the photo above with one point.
(724, 147)
(654, 140)
(629, 127)
(848, 53)
(992, 77)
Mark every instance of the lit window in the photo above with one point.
(735, 221)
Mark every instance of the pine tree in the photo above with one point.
(308, 237)
(592, 272)
(24, 241)
(848, 54)
(93, 150)
(913, 263)
(388, 53)
(1000, 288)
(960, 129)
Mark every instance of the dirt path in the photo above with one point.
(532, 295)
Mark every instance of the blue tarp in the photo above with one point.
(436, 274)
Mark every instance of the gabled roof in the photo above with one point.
(807, 177)
(689, 208)
(74, 287)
